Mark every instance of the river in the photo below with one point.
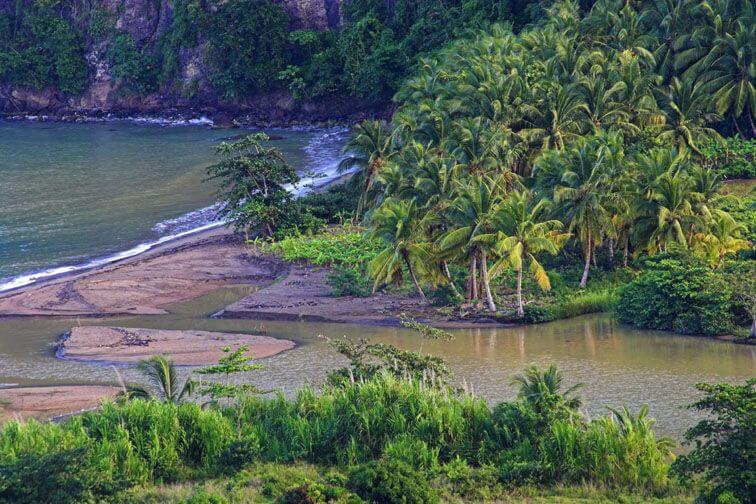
(71, 194)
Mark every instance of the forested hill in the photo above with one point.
(285, 59)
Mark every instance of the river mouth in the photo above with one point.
(617, 365)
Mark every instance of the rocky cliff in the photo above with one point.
(148, 22)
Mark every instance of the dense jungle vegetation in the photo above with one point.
(248, 44)
(564, 156)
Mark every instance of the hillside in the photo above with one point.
(279, 61)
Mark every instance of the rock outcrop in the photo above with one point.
(146, 21)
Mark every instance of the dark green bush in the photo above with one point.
(333, 205)
(391, 481)
(346, 281)
(206, 498)
(675, 293)
(59, 476)
(240, 453)
(137, 68)
(39, 48)
(248, 45)
(535, 314)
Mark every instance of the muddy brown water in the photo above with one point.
(618, 365)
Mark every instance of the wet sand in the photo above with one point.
(199, 264)
(304, 294)
(120, 345)
(44, 403)
(145, 284)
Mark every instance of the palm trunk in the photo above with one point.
(445, 268)
(520, 308)
(752, 334)
(737, 127)
(584, 279)
(414, 278)
(610, 245)
(472, 289)
(625, 252)
(486, 281)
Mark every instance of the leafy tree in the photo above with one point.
(233, 362)
(252, 180)
(725, 442)
(248, 44)
(370, 360)
(137, 68)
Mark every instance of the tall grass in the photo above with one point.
(384, 418)
(586, 302)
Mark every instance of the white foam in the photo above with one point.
(323, 153)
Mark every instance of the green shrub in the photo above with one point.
(391, 481)
(240, 453)
(733, 158)
(535, 314)
(206, 498)
(349, 282)
(725, 442)
(39, 48)
(333, 205)
(336, 246)
(60, 475)
(135, 67)
(586, 302)
(248, 45)
(678, 294)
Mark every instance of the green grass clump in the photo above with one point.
(336, 246)
(586, 302)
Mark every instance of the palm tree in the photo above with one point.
(582, 178)
(398, 224)
(163, 376)
(522, 231)
(534, 385)
(667, 216)
(723, 237)
(468, 217)
(369, 148)
(688, 107)
(558, 121)
(729, 71)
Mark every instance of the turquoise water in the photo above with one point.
(74, 195)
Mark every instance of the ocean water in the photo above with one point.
(74, 196)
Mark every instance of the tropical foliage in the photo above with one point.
(423, 433)
(588, 133)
